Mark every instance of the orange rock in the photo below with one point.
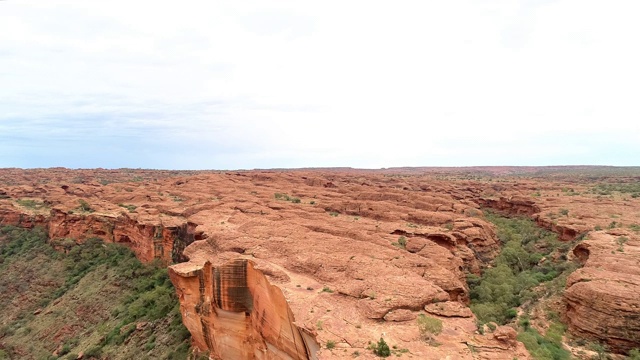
(234, 312)
(603, 298)
(329, 261)
(449, 309)
(506, 334)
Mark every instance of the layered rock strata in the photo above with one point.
(234, 312)
(603, 298)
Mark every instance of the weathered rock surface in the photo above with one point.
(345, 255)
(603, 297)
(449, 309)
(322, 250)
(232, 310)
(506, 335)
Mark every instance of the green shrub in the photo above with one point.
(285, 197)
(31, 204)
(547, 347)
(633, 188)
(402, 241)
(428, 326)
(93, 352)
(330, 344)
(179, 353)
(84, 206)
(381, 349)
(601, 350)
(64, 350)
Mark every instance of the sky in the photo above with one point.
(288, 84)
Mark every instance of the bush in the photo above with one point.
(429, 326)
(634, 354)
(31, 204)
(382, 349)
(544, 347)
(286, 197)
(84, 206)
(94, 352)
(330, 344)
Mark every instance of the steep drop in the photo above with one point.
(234, 312)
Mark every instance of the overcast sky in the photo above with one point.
(243, 84)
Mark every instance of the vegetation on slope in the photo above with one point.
(91, 298)
(532, 265)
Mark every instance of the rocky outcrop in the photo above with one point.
(234, 312)
(603, 298)
(514, 205)
(566, 232)
(449, 309)
(148, 241)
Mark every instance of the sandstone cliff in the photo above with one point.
(233, 311)
(602, 298)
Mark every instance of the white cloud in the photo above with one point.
(357, 83)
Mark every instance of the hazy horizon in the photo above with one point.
(253, 85)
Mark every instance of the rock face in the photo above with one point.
(516, 205)
(449, 309)
(506, 335)
(276, 264)
(233, 311)
(603, 298)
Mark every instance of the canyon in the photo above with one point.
(321, 263)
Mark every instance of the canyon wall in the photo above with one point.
(147, 241)
(601, 299)
(235, 313)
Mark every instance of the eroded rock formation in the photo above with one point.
(342, 256)
(234, 312)
(603, 297)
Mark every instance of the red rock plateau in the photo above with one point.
(278, 264)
